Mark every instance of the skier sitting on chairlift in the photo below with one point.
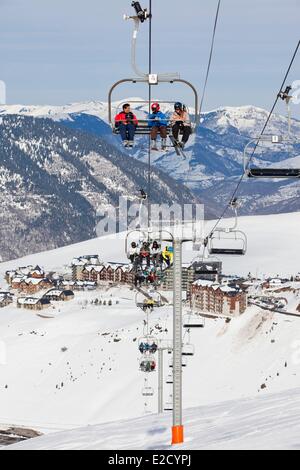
(139, 278)
(167, 255)
(133, 253)
(148, 366)
(127, 123)
(158, 122)
(180, 121)
(152, 277)
(155, 253)
(148, 305)
(145, 253)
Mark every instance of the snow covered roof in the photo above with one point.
(107, 266)
(39, 272)
(204, 283)
(275, 281)
(28, 300)
(55, 292)
(92, 267)
(18, 279)
(58, 292)
(86, 259)
(77, 262)
(33, 281)
(228, 289)
(215, 286)
(5, 297)
(127, 269)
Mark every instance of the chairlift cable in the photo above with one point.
(258, 141)
(210, 56)
(150, 97)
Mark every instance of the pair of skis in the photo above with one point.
(175, 144)
(177, 147)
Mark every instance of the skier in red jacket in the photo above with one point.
(127, 122)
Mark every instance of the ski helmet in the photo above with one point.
(155, 107)
(178, 105)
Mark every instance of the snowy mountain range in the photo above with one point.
(53, 178)
(214, 155)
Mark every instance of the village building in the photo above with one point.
(5, 299)
(31, 285)
(94, 273)
(33, 303)
(37, 273)
(217, 300)
(78, 265)
(107, 274)
(188, 277)
(24, 272)
(128, 274)
(207, 269)
(59, 295)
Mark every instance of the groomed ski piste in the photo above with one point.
(75, 377)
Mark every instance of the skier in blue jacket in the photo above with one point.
(158, 122)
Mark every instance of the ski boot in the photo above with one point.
(154, 145)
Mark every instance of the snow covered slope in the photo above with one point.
(267, 423)
(81, 367)
(273, 242)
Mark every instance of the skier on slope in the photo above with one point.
(159, 125)
(180, 121)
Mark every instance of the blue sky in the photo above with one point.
(60, 51)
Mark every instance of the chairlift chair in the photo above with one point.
(150, 342)
(168, 406)
(141, 300)
(148, 391)
(268, 172)
(170, 380)
(147, 364)
(228, 240)
(206, 264)
(188, 350)
(143, 128)
(193, 320)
